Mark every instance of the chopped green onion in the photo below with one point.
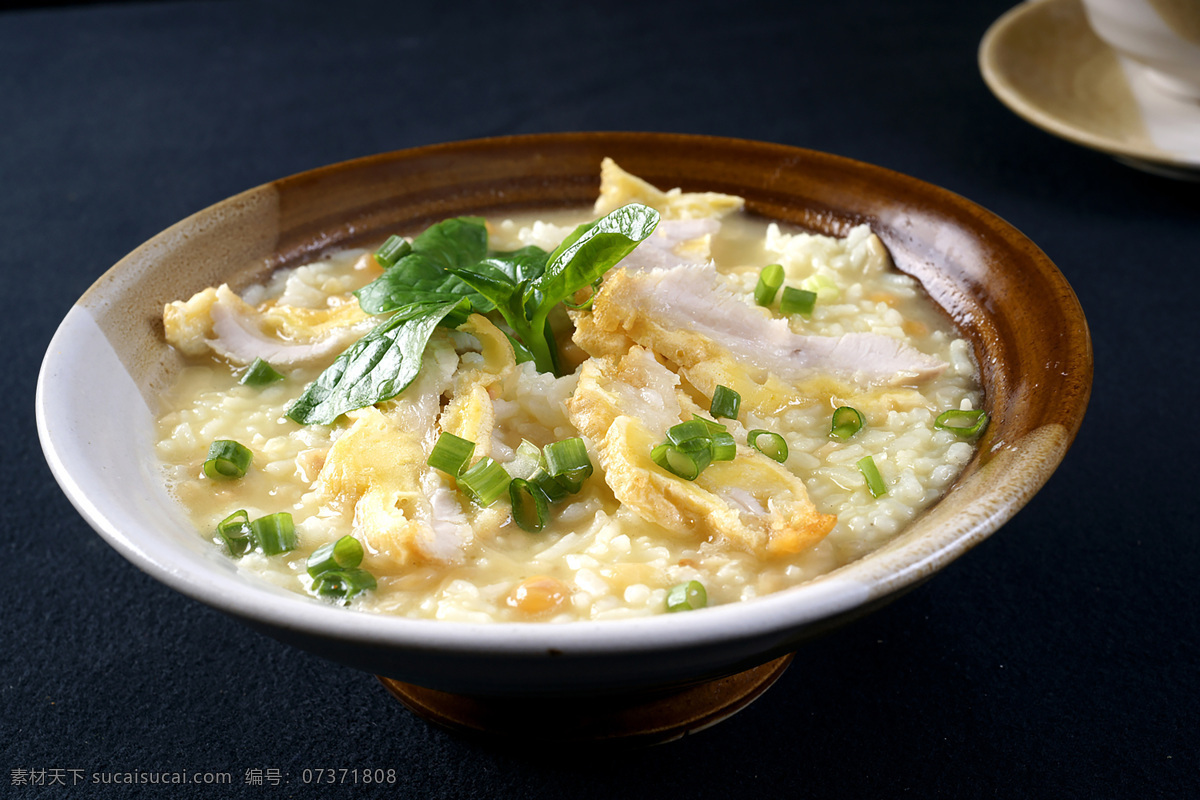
(259, 373)
(713, 427)
(343, 583)
(686, 459)
(484, 482)
(776, 447)
(966, 424)
(724, 448)
(345, 553)
(554, 488)
(568, 461)
(275, 533)
(687, 596)
(526, 460)
(823, 285)
(391, 251)
(659, 454)
(769, 281)
(530, 505)
(451, 453)
(846, 422)
(725, 403)
(226, 460)
(870, 472)
(686, 431)
(235, 531)
(797, 301)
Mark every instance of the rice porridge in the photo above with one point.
(716, 467)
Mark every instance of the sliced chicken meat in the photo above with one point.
(674, 242)
(685, 315)
(283, 335)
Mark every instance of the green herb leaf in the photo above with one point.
(415, 279)
(426, 273)
(521, 266)
(592, 249)
(581, 260)
(502, 293)
(449, 274)
(451, 242)
(377, 367)
(260, 373)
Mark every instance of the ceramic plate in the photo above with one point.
(1043, 61)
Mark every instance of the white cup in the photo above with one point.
(1162, 36)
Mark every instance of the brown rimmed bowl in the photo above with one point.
(667, 674)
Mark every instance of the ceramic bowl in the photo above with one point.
(108, 363)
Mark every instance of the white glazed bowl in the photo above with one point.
(108, 362)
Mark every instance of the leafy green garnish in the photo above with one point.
(448, 274)
(376, 367)
(525, 301)
(425, 274)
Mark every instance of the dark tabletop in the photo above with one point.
(1059, 658)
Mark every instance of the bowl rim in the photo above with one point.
(783, 613)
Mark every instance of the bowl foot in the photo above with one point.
(635, 719)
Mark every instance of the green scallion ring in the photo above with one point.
(776, 447)
(392, 250)
(235, 532)
(227, 460)
(769, 281)
(345, 553)
(975, 421)
(797, 301)
(713, 427)
(530, 505)
(275, 533)
(451, 453)
(527, 459)
(687, 459)
(725, 403)
(568, 461)
(687, 596)
(484, 482)
(343, 583)
(555, 489)
(724, 448)
(846, 422)
(870, 473)
(686, 431)
(259, 373)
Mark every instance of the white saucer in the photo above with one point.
(1042, 60)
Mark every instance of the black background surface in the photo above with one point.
(1059, 658)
